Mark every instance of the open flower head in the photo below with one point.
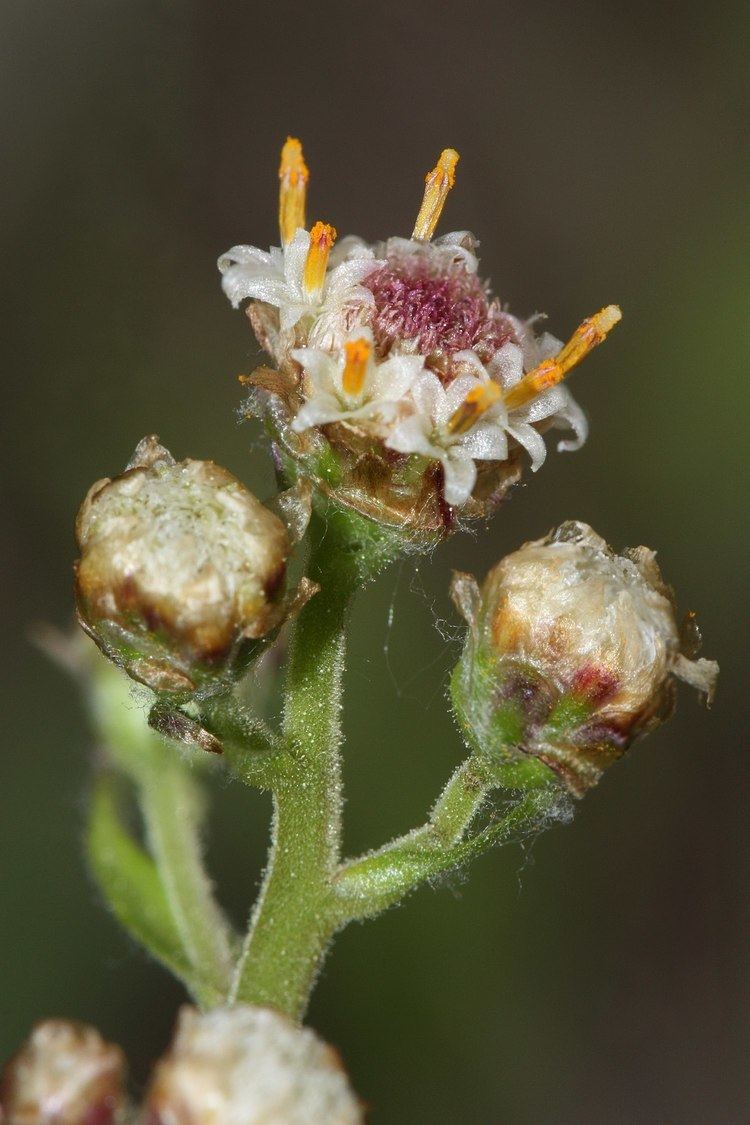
(571, 653)
(400, 384)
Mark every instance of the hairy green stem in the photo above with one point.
(254, 754)
(293, 920)
(459, 802)
(369, 885)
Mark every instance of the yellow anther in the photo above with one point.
(322, 238)
(438, 183)
(477, 402)
(552, 371)
(357, 357)
(293, 177)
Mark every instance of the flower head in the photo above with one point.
(249, 1065)
(570, 654)
(401, 386)
(181, 570)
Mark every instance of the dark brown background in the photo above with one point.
(603, 975)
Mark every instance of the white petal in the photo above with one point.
(295, 256)
(543, 406)
(460, 477)
(572, 414)
(239, 283)
(537, 348)
(347, 276)
(386, 411)
(320, 368)
(246, 256)
(348, 247)
(469, 363)
(486, 441)
(291, 313)
(410, 436)
(459, 245)
(547, 345)
(317, 412)
(429, 396)
(532, 441)
(506, 365)
(391, 380)
(457, 391)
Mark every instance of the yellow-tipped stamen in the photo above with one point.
(438, 183)
(322, 238)
(357, 357)
(552, 371)
(293, 177)
(477, 402)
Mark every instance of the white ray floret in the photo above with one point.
(351, 384)
(277, 277)
(556, 405)
(429, 430)
(426, 431)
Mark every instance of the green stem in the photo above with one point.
(293, 920)
(367, 886)
(254, 754)
(459, 802)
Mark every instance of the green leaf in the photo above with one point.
(130, 882)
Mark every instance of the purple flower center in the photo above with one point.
(437, 304)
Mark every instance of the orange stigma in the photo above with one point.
(358, 354)
(322, 238)
(552, 371)
(438, 183)
(477, 402)
(293, 177)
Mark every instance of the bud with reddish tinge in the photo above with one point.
(248, 1065)
(181, 572)
(65, 1074)
(571, 654)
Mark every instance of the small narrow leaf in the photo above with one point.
(129, 881)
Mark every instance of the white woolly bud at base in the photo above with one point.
(249, 1066)
(64, 1073)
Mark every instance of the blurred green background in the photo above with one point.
(602, 975)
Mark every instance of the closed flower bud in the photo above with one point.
(248, 1065)
(181, 572)
(65, 1074)
(571, 654)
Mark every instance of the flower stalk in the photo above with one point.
(294, 918)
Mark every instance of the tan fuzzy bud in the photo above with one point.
(575, 648)
(248, 1066)
(65, 1074)
(180, 567)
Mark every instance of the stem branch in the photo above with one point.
(368, 885)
